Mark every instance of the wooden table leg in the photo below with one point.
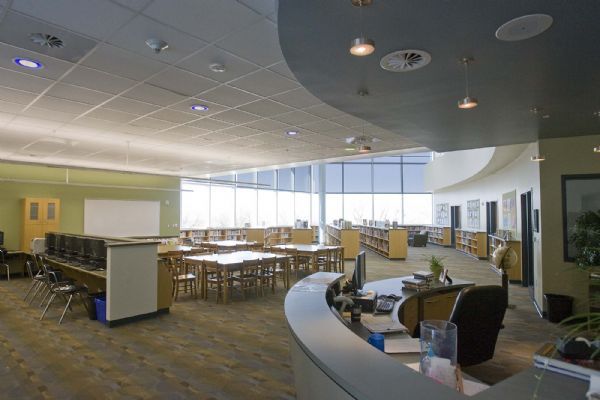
(225, 278)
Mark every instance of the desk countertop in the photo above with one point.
(328, 343)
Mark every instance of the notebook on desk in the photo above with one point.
(381, 324)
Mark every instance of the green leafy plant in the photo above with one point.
(585, 236)
(435, 265)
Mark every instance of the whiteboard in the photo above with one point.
(121, 218)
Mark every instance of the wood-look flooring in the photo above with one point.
(203, 350)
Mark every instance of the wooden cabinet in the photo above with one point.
(349, 239)
(439, 306)
(302, 236)
(472, 243)
(40, 215)
(439, 235)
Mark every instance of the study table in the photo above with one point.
(230, 262)
(332, 362)
(16, 260)
(228, 245)
(164, 249)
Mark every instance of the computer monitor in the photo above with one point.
(60, 243)
(360, 272)
(79, 245)
(51, 241)
(69, 243)
(87, 246)
(98, 249)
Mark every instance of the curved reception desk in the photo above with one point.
(330, 361)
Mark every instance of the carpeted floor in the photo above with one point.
(202, 350)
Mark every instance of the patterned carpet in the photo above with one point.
(202, 350)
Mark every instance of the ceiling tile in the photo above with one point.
(136, 5)
(210, 124)
(13, 108)
(296, 118)
(153, 123)
(324, 111)
(52, 115)
(120, 62)
(79, 94)
(264, 83)
(349, 121)
(188, 131)
(186, 106)
(228, 96)
(21, 81)
(235, 116)
(265, 108)
(111, 115)
(320, 126)
(182, 82)
(16, 96)
(174, 116)
(95, 18)
(234, 66)
(134, 35)
(240, 131)
(264, 7)
(217, 137)
(206, 19)
(97, 123)
(136, 130)
(154, 95)
(131, 106)
(56, 104)
(267, 125)
(299, 98)
(258, 43)
(282, 69)
(97, 80)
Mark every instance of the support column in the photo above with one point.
(322, 207)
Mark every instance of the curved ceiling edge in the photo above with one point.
(508, 78)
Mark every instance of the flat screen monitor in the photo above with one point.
(79, 245)
(51, 241)
(98, 249)
(60, 243)
(87, 246)
(69, 243)
(360, 272)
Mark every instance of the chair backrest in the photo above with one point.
(268, 263)
(29, 266)
(478, 313)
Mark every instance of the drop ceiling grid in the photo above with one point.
(281, 100)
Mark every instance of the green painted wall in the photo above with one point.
(72, 196)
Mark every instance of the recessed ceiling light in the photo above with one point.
(28, 63)
(538, 158)
(597, 149)
(157, 45)
(217, 67)
(524, 27)
(291, 133)
(199, 107)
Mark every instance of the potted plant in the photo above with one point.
(435, 266)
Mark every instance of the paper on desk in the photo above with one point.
(470, 386)
(381, 324)
(401, 345)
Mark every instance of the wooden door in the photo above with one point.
(51, 215)
(33, 211)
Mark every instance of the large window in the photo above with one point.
(383, 188)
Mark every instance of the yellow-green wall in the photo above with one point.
(72, 195)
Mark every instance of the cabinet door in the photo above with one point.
(409, 314)
(439, 306)
(33, 211)
(52, 212)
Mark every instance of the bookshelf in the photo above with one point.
(389, 242)
(439, 235)
(278, 235)
(217, 234)
(302, 236)
(255, 235)
(349, 239)
(472, 243)
(315, 229)
(514, 273)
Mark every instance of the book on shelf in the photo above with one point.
(547, 357)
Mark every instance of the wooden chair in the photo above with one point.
(322, 258)
(241, 247)
(247, 277)
(296, 262)
(267, 274)
(214, 279)
(182, 274)
(336, 261)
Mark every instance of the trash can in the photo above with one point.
(101, 308)
(559, 306)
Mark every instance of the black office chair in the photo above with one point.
(4, 265)
(478, 314)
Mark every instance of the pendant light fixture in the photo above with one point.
(362, 45)
(467, 102)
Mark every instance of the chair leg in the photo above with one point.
(68, 306)
(38, 288)
(45, 296)
(33, 284)
(48, 306)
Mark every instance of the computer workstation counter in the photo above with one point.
(331, 361)
(136, 285)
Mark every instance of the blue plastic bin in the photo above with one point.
(101, 308)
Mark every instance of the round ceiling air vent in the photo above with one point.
(45, 40)
(405, 60)
(524, 27)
